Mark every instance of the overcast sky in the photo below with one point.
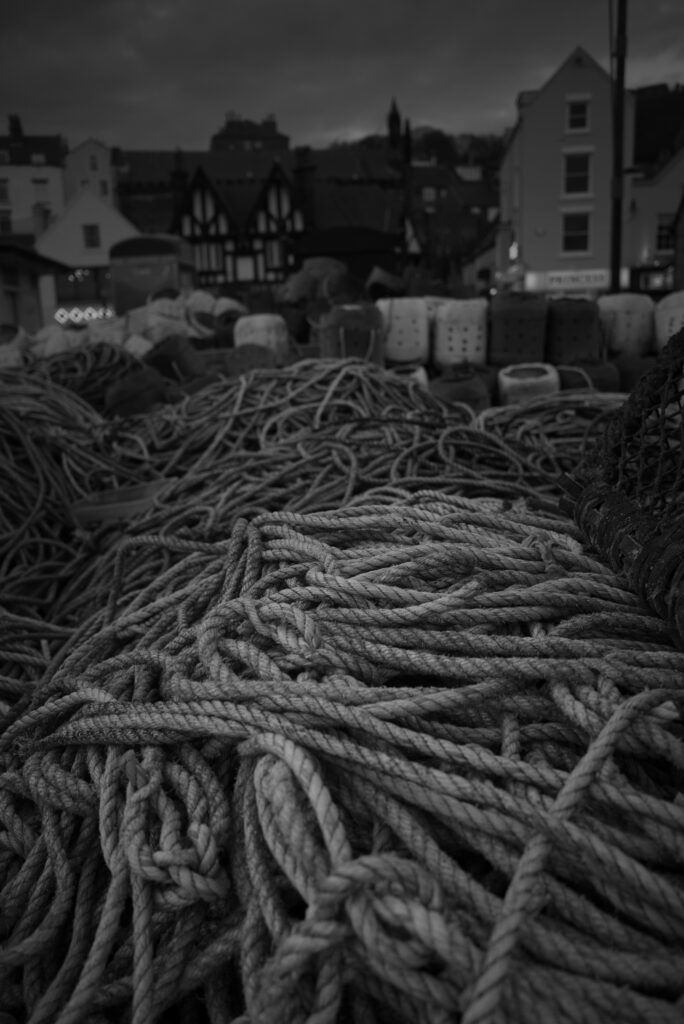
(162, 74)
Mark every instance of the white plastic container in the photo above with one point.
(523, 382)
(460, 333)
(669, 318)
(627, 321)
(407, 330)
(268, 330)
(433, 303)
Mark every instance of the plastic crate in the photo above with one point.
(266, 329)
(352, 331)
(460, 333)
(669, 318)
(517, 329)
(573, 331)
(627, 323)
(407, 330)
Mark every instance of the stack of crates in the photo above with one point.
(352, 331)
(517, 329)
(460, 334)
(407, 330)
(573, 332)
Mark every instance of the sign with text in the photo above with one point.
(572, 280)
(581, 280)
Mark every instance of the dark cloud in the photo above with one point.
(164, 73)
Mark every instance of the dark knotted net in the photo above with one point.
(627, 496)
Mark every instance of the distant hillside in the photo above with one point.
(430, 143)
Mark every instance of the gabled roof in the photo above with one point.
(239, 199)
(95, 207)
(578, 57)
(528, 97)
(88, 142)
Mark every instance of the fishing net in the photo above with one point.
(627, 495)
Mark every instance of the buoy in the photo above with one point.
(627, 323)
(525, 381)
(669, 318)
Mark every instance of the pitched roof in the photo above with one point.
(658, 124)
(13, 254)
(22, 148)
(151, 214)
(351, 204)
(353, 162)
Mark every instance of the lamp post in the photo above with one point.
(619, 53)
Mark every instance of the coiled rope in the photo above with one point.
(410, 761)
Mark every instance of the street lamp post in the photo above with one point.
(619, 52)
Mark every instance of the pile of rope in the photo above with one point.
(551, 432)
(416, 760)
(54, 449)
(313, 436)
(88, 370)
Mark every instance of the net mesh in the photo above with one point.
(627, 496)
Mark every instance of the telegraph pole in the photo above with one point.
(619, 53)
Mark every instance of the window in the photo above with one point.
(4, 190)
(576, 232)
(274, 255)
(577, 115)
(5, 222)
(104, 188)
(91, 236)
(38, 159)
(665, 233)
(244, 268)
(429, 194)
(92, 162)
(576, 174)
(42, 215)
